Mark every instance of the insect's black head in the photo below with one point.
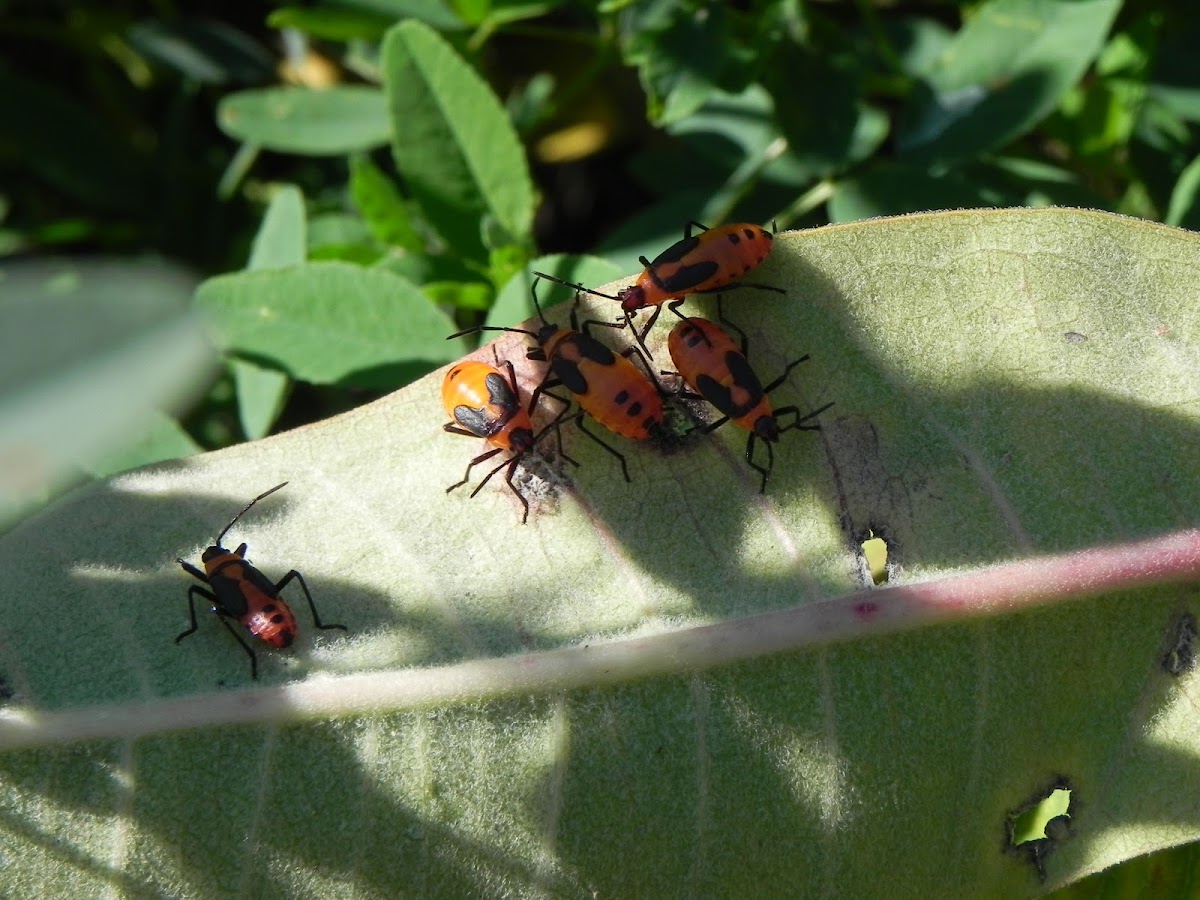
(212, 553)
(767, 428)
(520, 441)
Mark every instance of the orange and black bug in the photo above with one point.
(699, 264)
(483, 403)
(244, 594)
(606, 385)
(716, 368)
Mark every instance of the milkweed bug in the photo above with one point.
(484, 404)
(244, 594)
(715, 367)
(606, 385)
(699, 264)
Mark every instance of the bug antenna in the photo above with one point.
(479, 328)
(221, 536)
(533, 294)
(577, 287)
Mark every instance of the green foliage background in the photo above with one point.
(452, 151)
(354, 179)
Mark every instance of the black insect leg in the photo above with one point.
(624, 469)
(286, 579)
(797, 423)
(783, 377)
(195, 590)
(482, 457)
(765, 473)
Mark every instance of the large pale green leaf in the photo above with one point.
(676, 686)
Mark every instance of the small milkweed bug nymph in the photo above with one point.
(484, 404)
(716, 368)
(606, 385)
(699, 264)
(242, 593)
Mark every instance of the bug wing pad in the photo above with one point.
(734, 401)
(228, 584)
(676, 251)
(571, 352)
(475, 420)
(685, 279)
(500, 392)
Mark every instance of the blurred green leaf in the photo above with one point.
(160, 439)
(328, 322)
(728, 129)
(471, 11)
(94, 350)
(337, 229)
(1175, 78)
(261, 395)
(1002, 74)
(281, 242)
(452, 142)
(468, 295)
(1185, 198)
(919, 43)
(890, 189)
(1023, 181)
(206, 50)
(821, 124)
(332, 21)
(437, 14)
(328, 122)
(281, 239)
(680, 51)
(514, 304)
(383, 207)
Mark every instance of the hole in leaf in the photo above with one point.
(1031, 824)
(874, 554)
(1181, 645)
(1040, 824)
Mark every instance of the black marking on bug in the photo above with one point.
(475, 421)
(499, 391)
(590, 348)
(685, 278)
(570, 375)
(676, 251)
